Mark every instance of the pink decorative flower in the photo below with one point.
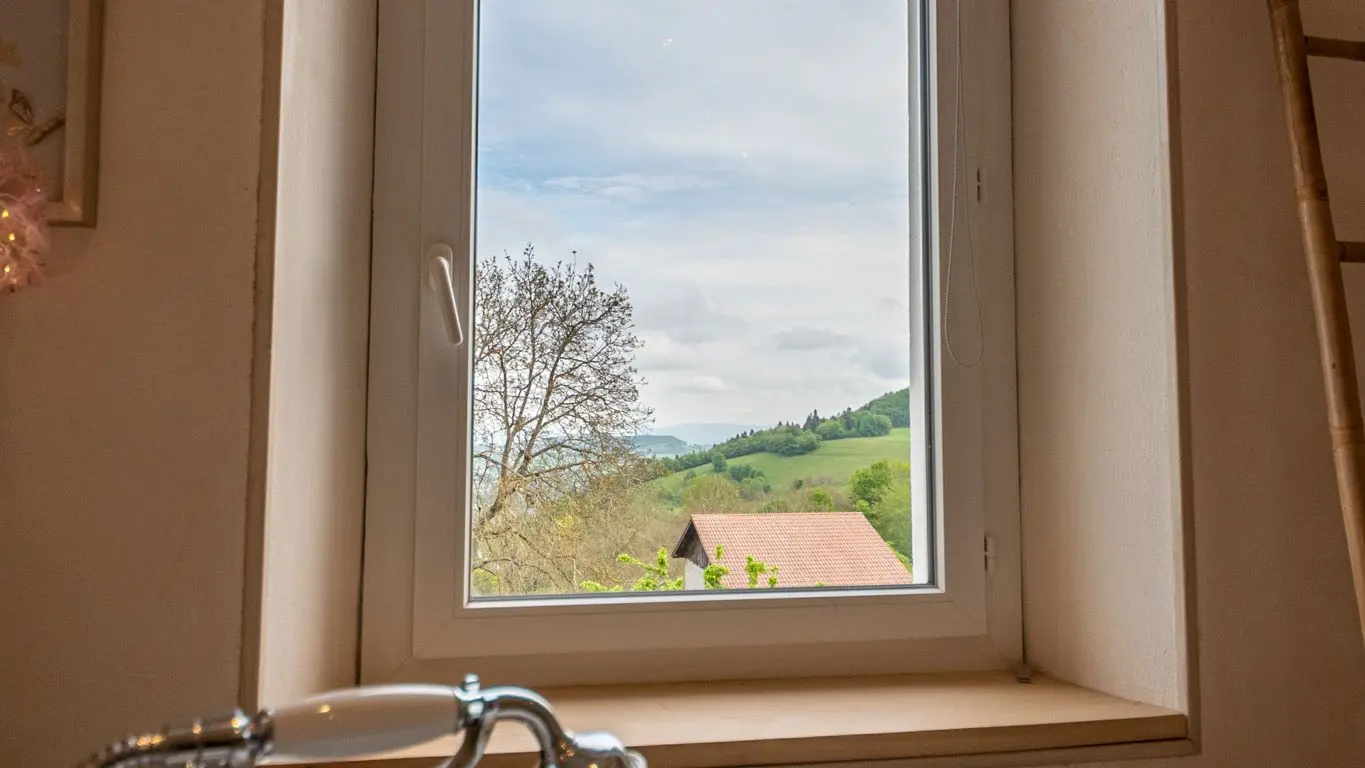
(23, 226)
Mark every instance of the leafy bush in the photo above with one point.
(869, 484)
(794, 444)
(881, 492)
(753, 488)
(741, 472)
(871, 424)
(597, 586)
(652, 468)
(755, 568)
(854, 424)
(655, 576)
(713, 573)
(831, 430)
(712, 493)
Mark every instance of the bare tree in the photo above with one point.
(556, 392)
(575, 538)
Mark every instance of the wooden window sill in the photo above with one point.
(776, 722)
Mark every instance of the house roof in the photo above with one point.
(834, 549)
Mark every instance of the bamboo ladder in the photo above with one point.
(1325, 255)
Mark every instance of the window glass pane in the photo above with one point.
(693, 260)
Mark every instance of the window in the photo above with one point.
(688, 242)
(661, 374)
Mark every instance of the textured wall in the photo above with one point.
(1282, 677)
(124, 392)
(315, 481)
(1095, 329)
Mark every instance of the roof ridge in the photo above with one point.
(812, 513)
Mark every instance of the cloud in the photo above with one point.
(892, 306)
(887, 361)
(799, 88)
(627, 186)
(748, 183)
(662, 355)
(802, 339)
(686, 316)
(703, 384)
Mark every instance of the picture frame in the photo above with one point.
(50, 64)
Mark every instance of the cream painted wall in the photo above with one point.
(124, 393)
(314, 480)
(1282, 673)
(1096, 379)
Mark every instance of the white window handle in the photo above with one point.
(441, 279)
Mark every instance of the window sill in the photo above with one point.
(720, 725)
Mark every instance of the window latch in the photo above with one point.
(440, 276)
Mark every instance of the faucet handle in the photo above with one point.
(362, 721)
(596, 749)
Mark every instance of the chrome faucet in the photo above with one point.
(366, 721)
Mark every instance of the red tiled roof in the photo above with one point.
(836, 549)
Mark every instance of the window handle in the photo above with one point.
(441, 279)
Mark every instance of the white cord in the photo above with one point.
(960, 153)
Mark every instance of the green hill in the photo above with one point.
(893, 405)
(830, 464)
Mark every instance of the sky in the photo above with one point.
(740, 166)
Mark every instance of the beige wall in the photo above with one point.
(1095, 328)
(314, 479)
(1281, 675)
(124, 393)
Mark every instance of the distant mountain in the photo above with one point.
(706, 434)
(660, 445)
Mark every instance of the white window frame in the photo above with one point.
(418, 622)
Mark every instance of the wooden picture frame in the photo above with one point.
(51, 56)
(76, 205)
